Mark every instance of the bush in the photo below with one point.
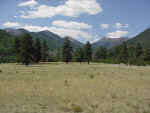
(77, 109)
(137, 62)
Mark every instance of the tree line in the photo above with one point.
(130, 55)
(34, 51)
(29, 51)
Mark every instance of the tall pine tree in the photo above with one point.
(79, 54)
(37, 50)
(67, 50)
(26, 51)
(101, 53)
(17, 47)
(147, 55)
(123, 56)
(138, 50)
(45, 51)
(88, 52)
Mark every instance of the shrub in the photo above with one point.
(77, 109)
(91, 76)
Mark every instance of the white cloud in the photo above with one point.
(32, 28)
(104, 26)
(117, 34)
(77, 33)
(29, 3)
(95, 39)
(126, 25)
(60, 31)
(119, 25)
(72, 8)
(74, 33)
(71, 24)
(11, 24)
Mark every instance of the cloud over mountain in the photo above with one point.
(117, 34)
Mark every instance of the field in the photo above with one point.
(74, 88)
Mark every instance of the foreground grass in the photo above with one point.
(61, 88)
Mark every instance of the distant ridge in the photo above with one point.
(142, 38)
(54, 41)
(109, 42)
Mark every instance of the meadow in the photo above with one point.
(74, 88)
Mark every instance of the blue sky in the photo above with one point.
(84, 20)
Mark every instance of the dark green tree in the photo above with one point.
(45, 51)
(138, 50)
(67, 50)
(88, 52)
(147, 55)
(101, 53)
(37, 50)
(79, 54)
(17, 47)
(123, 56)
(59, 54)
(26, 51)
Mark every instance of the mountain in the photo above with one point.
(143, 38)
(53, 40)
(6, 40)
(6, 43)
(109, 42)
(16, 32)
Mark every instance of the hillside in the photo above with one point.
(109, 42)
(6, 42)
(143, 38)
(53, 40)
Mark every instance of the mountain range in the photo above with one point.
(109, 42)
(142, 38)
(54, 41)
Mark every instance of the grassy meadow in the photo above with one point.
(74, 88)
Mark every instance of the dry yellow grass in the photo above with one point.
(61, 88)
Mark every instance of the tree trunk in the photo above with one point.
(88, 61)
(67, 61)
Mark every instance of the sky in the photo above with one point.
(83, 20)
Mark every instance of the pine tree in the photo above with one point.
(147, 55)
(67, 50)
(17, 47)
(59, 54)
(26, 51)
(88, 52)
(79, 54)
(123, 57)
(101, 53)
(138, 50)
(45, 51)
(37, 50)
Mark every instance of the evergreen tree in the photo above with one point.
(88, 52)
(147, 55)
(17, 47)
(37, 50)
(79, 54)
(45, 51)
(138, 50)
(67, 50)
(26, 51)
(123, 57)
(59, 54)
(101, 53)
